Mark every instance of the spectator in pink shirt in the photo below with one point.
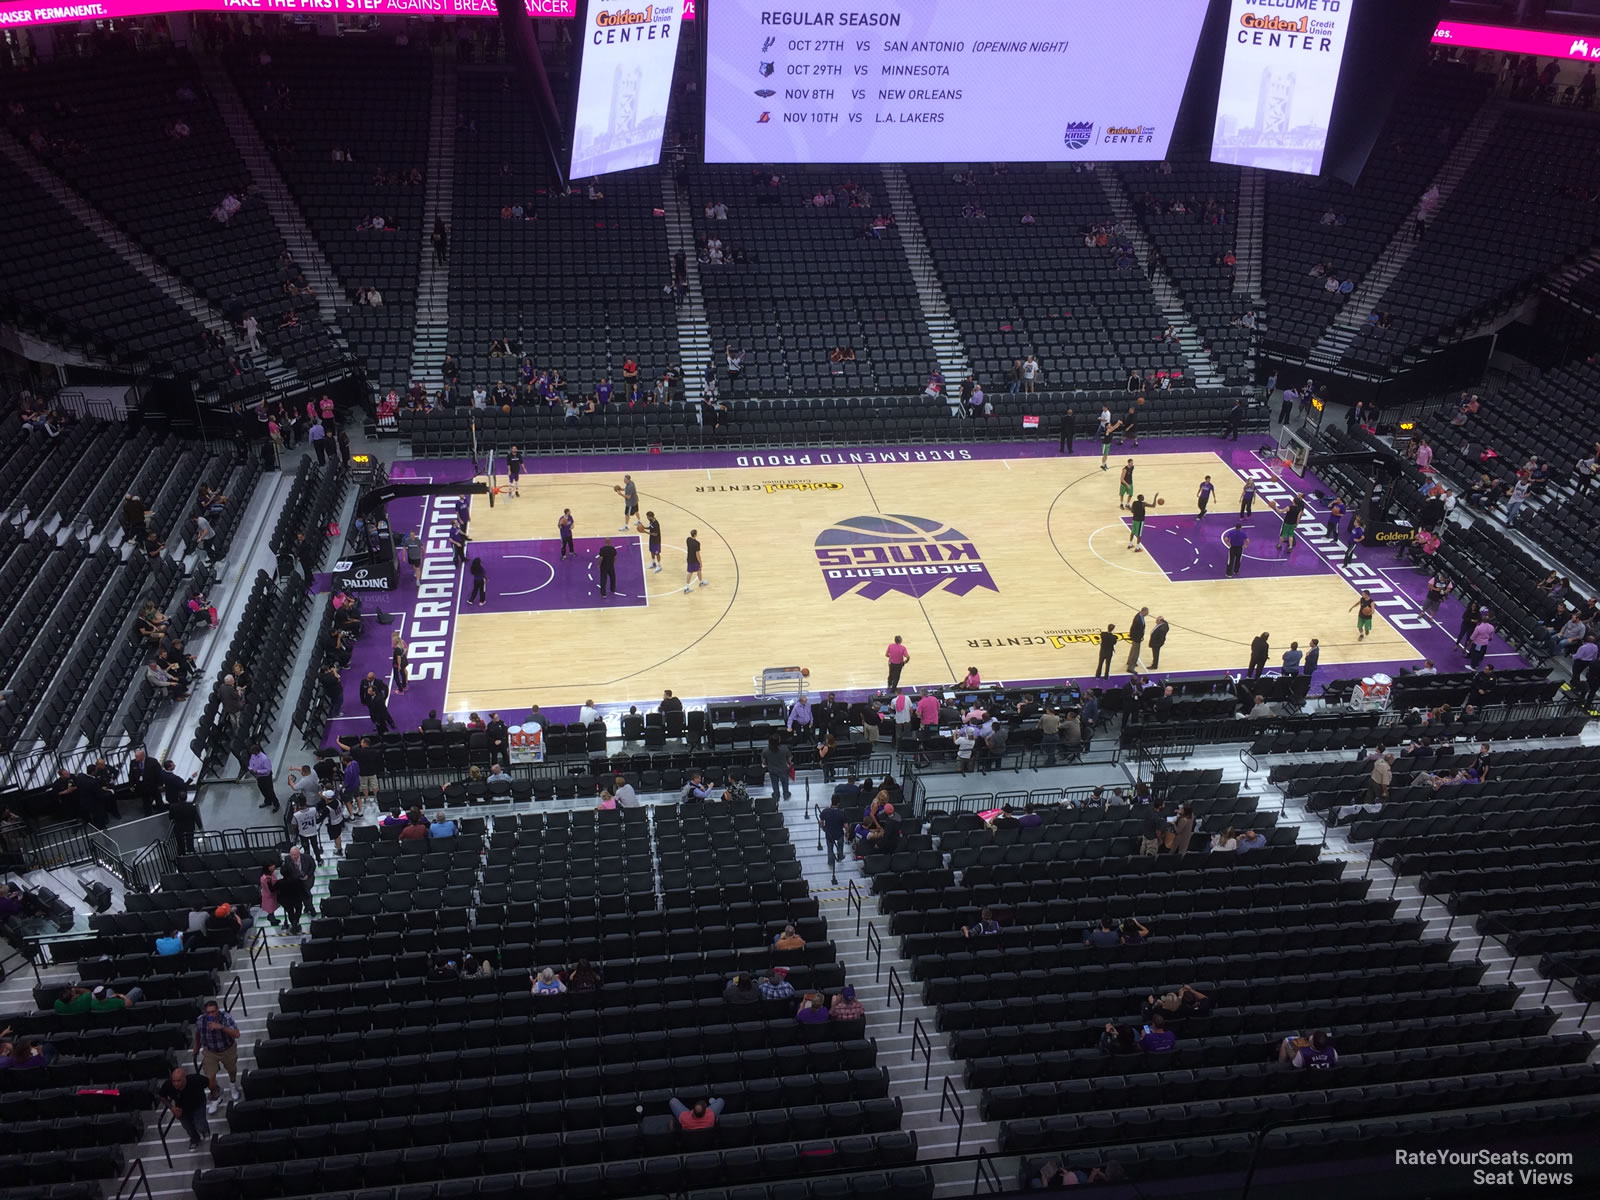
(898, 655)
(928, 711)
(1482, 635)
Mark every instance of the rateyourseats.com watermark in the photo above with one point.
(1498, 1168)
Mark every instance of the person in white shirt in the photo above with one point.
(902, 707)
(625, 796)
(1030, 372)
(252, 333)
(1586, 470)
(497, 774)
(966, 739)
(587, 714)
(1427, 668)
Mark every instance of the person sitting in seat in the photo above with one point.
(1157, 1038)
(151, 624)
(441, 827)
(776, 985)
(812, 1011)
(984, 926)
(1181, 1003)
(846, 1007)
(788, 939)
(1119, 1039)
(172, 943)
(741, 989)
(1106, 936)
(703, 1115)
(583, 977)
(1317, 1054)
(103, 999)
(545, 983)
(1132, 933)
(1292, 1045)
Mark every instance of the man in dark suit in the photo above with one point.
(1260, 648)
(375, 698)
(181, 810)
(1158, 639)
(1108, 647)
(144, 775)
(1136, 637)
(499, 738)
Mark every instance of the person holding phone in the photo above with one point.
(1156, 1037)
(216, 1040)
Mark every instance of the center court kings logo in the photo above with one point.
(872, 556)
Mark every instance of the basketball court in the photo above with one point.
(1009, 559)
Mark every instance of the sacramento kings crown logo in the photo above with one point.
(1079, 134)
(872, 556)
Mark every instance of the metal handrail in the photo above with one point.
(164, 1125)
(875, 947)
(919, 1037)
(898, 988)
(259, 946)
(985, 1173)
(852, 901)
(949, 1097)
(1250, 764)
(148, 865)
(124, 1193)
(235, 990)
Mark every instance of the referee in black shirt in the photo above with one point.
(608, 567)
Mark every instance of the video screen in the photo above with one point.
(916, 81)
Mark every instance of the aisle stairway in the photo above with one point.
(946, 338)
(270, 186)
(694, 327)
(1247, 247)
(433, 277)
(279, 374)
(1204, 369)
(936, 1135)
(1366, 298)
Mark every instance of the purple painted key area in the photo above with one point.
(533, 577)
(1187, 548)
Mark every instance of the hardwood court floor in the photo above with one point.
(1047, 533)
